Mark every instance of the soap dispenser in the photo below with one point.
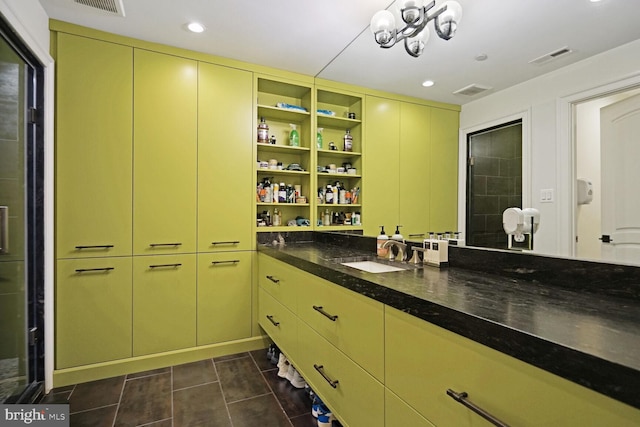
(397, 236)
(294, 136)
(382, 238)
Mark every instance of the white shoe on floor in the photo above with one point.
(297, 381)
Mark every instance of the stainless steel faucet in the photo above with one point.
(401, 249)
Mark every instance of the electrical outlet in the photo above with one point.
(546, 195)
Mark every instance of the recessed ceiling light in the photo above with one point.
(481, 57)
(428, 83)
(195, 27)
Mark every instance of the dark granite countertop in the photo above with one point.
(590, 339)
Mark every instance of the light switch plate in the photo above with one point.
(546, 195)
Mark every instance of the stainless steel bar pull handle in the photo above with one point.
(273, 279)
(332, 317)
(320, 369)
(230, 242)
(462, 398)
(231, 261)
(88, 270)
(272, 321)
(155, 245)
(165, 266)
(80, 247)
(4, 230)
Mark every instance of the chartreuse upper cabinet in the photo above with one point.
(225, 158)
(165, 153)
(443, 194)
(381, 164)
(93, 147)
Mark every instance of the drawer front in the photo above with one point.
(398, 414)
(280, 280)
(357, 398)
(164, 303)
(224, 297)
(351, 322)
(279, 323)
(512, 391)
(93, 311)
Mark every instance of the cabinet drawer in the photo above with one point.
(93, 311)
(224, 297)
(279, 323)
(351, 322)
(357, 398)
(398, 414)
(164, 303)
(512, 391)
(280, 280)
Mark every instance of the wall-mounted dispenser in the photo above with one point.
(585, 191)
(520, 224)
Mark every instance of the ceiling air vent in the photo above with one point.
(551, 56)
(472, 90)
(112, 7)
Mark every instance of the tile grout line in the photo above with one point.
(270, 389)
(224, 399)
(93, 408)
(172, 417)
(194, 386)
(119, 401)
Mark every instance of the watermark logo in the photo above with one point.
(34, 415)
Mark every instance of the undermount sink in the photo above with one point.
(372, 266)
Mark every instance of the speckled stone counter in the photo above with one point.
(590, 339)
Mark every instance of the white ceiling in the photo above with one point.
(331, 39)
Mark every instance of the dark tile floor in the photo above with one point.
(241, 390)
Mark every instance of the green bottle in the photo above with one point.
(319, 139)
(294, 137)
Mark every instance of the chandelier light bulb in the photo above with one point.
(410, 10)
(453, 12)
(415, 45)
(383, 26)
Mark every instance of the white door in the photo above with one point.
(620, 150)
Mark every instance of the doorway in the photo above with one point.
(21, 221)
(494, 182)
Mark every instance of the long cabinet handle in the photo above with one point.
(165, 266)
(272, 321)
(332, 317)
(273, 279)
(87, 270)
(154, 245)
(462, 398)
(320, 369)
(231, 261)
(4, 230)
(80, 247)
(230, 242)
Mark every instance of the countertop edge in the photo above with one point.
(608, 378)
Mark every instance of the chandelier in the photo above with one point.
(416, 17)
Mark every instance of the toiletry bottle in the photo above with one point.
(282, 193)
(319, 139)
(294, 136)
(276, 188)
(397, 236)
(277, 217)
(329, 195)
(382, 238)
(326, 218)
(348, 141)
(263, 131)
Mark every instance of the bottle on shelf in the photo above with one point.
(282, 193)
(277, 217)
(263, 131)
(294, 136)
(348, 141)
(276, 189)
(319, 139)
(329, 194)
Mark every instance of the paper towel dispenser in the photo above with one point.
(585, 191)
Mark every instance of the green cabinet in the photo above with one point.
(93, 310)
(381, 164)
(443, 204)
(93, 151)
(224, 297)
(164, 303)
(416, 182)
(398, 414)
(279, 323)
(225, 158)
(165, 153)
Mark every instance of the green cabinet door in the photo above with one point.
(224, 297)
(165, 137)
(443, 204)
(415, 178)
(93, 152)
(398, 414)
(225, 158)
(164, 303)
(93, 310)
(380, 196)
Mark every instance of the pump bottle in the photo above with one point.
(382, 238)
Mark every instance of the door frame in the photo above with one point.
(566, 155)
(525, 118)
